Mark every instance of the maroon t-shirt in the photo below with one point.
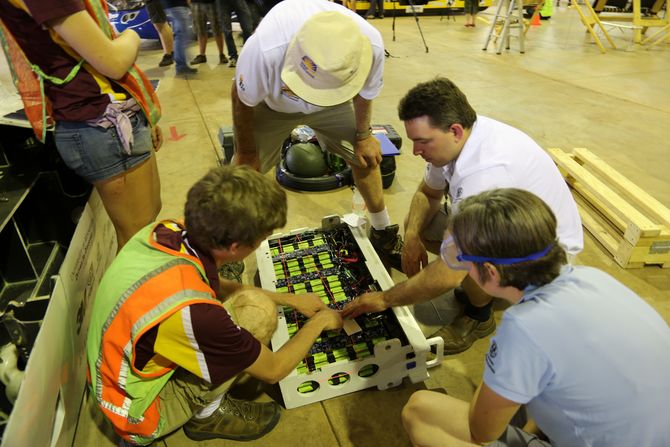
(80, 99)
(227, 348)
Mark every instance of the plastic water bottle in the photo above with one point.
(358, 203)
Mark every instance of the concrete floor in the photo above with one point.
(562, 92)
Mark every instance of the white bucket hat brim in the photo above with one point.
(328, 60)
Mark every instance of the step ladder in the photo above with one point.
(509, 16)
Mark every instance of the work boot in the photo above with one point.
(232, 271)
(463, 332)
(388, 245)
(223, 59)
(235, 419)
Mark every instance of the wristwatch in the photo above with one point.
(362, 135)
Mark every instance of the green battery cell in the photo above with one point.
(320, 359)
(340, 354)
(339, 297)
(361, 350)
(368, 370)
(308, 387)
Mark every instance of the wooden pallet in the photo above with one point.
(631, 225)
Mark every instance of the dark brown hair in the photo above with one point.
(233, 204)
(510, 223)
(441, 101)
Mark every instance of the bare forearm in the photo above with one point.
(112, 58)
(296, 348)
(430, 282)
(422, 209)
(362, 113)
(243, 118)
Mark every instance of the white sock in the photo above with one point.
(209, 409)
(380, 220)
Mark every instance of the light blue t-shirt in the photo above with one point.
(590, 359)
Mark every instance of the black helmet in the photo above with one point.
(306, 160)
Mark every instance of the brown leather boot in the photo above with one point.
(463, 332)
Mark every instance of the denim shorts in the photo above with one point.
(96, 154)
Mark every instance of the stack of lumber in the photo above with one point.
(630, 224)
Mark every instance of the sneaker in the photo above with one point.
(232, 62)
(223, 59)
(388, 245)
(168, 59)
(186, 70)
(235, 419)
(232, 271)
(199, 59)
(463, 332)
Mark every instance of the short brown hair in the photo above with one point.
(441, 101)
(510, 223)
(233, 204)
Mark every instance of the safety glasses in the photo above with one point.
(456, 260)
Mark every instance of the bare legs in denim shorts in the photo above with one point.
(128, 185)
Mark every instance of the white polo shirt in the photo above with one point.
(258, 72)
(590, 359)
(500, 156)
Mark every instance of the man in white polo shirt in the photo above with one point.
(466, 154)
(316, 63)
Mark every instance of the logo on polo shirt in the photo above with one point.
(459, 193)
(240, 83)
(493, 352)
(308, 66)
(288, 93)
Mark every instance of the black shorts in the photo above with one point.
(156, 13)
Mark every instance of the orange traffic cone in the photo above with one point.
(535, 20)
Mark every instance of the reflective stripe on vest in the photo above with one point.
(175, 281)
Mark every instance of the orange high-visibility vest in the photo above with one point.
(146, 284)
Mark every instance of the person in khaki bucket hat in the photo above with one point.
(327, 72)
(315, 63)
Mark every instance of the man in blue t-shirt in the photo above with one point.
(585, 378)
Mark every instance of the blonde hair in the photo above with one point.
(233, 204)
(510, 223)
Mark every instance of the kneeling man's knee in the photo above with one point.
(255, 312)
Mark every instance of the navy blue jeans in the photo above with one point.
(240, 7)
